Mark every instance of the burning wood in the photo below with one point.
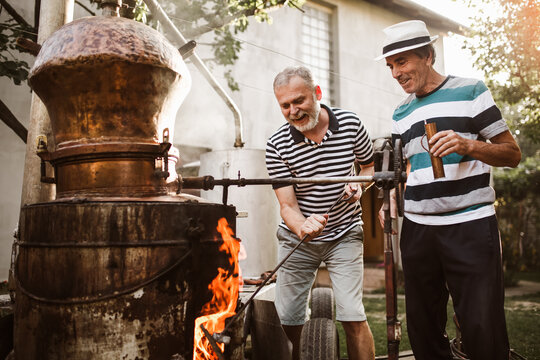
(225, 288)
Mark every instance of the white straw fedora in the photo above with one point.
(405, 36)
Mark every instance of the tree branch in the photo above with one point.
(14, 14)
(216, 23)
(85, 8)
(11, 121)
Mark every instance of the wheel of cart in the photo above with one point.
(458, 350)
(319, 339)
(322, 303)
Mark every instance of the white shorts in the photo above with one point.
(344, 260)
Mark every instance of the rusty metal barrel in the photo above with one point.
(114, 267)
(114, 280)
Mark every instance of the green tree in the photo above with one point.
(507, 49)
(517, 209)
(10, 30)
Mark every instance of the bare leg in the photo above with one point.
(360, 345)
(294, 333)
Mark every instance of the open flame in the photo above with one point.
(225, 288)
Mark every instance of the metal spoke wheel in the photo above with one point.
(319, 340)
(322, 303)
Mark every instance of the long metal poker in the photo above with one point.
(219, 336)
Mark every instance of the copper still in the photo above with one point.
(115, 267)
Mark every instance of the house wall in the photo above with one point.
(12, 150)
(365, 86)
(204, 121)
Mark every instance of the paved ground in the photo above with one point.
(374, 280)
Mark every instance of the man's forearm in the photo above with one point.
(504, 154)
(293, 219)
(502, 149)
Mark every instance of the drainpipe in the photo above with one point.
(53, 14)
(161, 16)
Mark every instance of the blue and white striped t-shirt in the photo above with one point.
(467, 107)
(290, 154)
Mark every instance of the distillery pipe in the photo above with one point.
(160, 15)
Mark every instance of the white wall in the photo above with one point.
(204, 120)
(365, 86)
(12, 151)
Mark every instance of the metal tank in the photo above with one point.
(257, 206)
(115, 267)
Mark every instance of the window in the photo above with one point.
(317, 52)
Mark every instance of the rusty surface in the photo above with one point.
(112, 102)
(106, 78)
(76, 262)
(97, 40)
(111, 86)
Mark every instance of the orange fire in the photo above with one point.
(225, 288)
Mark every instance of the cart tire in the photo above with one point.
(319, 340)
(322, 303)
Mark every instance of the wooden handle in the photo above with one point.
(436, 162)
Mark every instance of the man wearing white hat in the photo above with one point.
(449, 238)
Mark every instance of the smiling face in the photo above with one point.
(299, 103)
(412, 72)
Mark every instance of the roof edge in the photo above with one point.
(417, 11)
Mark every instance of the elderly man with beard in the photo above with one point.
(319, 141)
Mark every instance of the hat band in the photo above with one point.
(405, 43)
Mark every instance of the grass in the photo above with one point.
(522, 317)
(527, 275)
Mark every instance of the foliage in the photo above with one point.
(507, 50)
(223, 19)
(517, 209)
(194, 18)
(10, 65)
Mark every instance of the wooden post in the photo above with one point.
(53, 14)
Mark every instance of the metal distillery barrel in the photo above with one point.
(114, 280)
(114, 268)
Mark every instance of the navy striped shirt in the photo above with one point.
(467, 107)
(290, 154)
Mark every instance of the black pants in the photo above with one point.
(465, 260)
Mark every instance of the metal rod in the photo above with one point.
(393, 326)
(208, 182)
(212, 342)
(291, 181)
(160, 15)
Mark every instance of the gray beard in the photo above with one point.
(313, 121)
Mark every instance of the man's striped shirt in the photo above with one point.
(467, 107)
(290, 154)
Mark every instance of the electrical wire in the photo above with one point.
(275, 52)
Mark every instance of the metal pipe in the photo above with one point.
(208, 182)
(160, 15)
(69, 6)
